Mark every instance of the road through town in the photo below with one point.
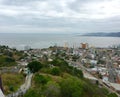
(88, 75)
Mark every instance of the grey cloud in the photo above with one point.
(37, 22)
(19, 2)
(56, 16)
(77, 5)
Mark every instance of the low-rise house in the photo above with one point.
(84, 61)
(105, 78)
(93, 62)
(94, 70)
(23, 63)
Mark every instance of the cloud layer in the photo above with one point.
(59, 16)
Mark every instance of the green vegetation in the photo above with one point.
(64, 67)
(40, 79)
(6, 61)
(8, 56)
(55, 71)
(112, 95)
(52, 89)
(51, 79)
(11, 82)
(34, 66)
(71, 87)
(46, 85)
(62, 80)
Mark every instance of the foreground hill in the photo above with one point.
(62, 80)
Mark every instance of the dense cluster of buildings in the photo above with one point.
(103, 63)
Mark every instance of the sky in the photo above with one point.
(59, 16)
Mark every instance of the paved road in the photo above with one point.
(27, 83)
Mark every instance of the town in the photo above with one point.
(100, 65)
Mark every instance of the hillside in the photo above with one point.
(59, 80)
(9, 56)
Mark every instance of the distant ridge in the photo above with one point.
(101, 34)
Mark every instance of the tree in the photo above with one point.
(34, 66)
(55, 71)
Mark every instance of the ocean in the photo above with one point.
(35, 40)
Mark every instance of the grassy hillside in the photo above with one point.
(66, 86)
(61, 80)
(9, 56)
(6, 61)
(11, 82)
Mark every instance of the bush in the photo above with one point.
(34, 66)
(31, 93)
(52, 89)
(71, 87)
(11, 88)
(64, 67)
(78, 73)
(55, 71)
(40, 79)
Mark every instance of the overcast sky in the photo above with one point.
(59, 16)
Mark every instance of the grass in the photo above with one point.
(66, 84)
(11, 82)
(6, 61)
(55, 84)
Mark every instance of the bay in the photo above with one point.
(38, 40)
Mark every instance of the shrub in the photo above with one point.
(55, 71)
(34, 66)
(71, 87)
(11, 88)
(31, 93)
(52, 89)
(40, 79)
